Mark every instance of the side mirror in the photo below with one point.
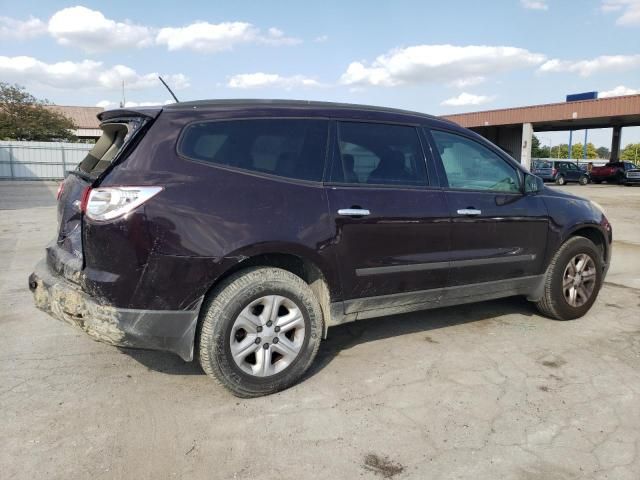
(533, 184)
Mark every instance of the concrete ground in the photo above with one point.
(482, 391)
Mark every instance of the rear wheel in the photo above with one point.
(572, 280)
(560, 180)
(583, 180)
(620, 178)
(261, 330)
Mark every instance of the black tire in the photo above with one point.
(583, 180)
(553, 303)
(560, 180)
(620, 178)
(222, 307)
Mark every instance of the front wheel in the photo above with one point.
(572, 280)
(261, 330)
(583, 180)
(560, 180)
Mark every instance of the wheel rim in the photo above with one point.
(561, 181)
(579, 280)
(267, 336)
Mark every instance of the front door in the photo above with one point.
(391, 228)
(498, 233)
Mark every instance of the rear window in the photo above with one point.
(115, 135)
(541, 164)
(284, 147)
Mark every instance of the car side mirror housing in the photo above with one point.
(533, 184)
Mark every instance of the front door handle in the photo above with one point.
(354, 212)
(469, 212)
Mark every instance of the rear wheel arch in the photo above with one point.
(301, 266)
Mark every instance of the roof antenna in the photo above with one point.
(170, 91)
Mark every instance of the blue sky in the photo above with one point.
(434, 57)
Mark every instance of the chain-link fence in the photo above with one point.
(39, 160)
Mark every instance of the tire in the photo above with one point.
(220, 319)
(583, 180)
(560, 180)
(620, 179)
(554, 303)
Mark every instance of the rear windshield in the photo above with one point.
(541, 164)
(285, 147)
(115, 135)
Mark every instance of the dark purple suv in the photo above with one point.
(238, 232)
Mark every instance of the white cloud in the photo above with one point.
(84, 74)
(586, 68)
(21, 29)
(467, 82)
(321, 39)
(618, 91)
(91, 31)
(437, 63)
(261, 80)
(466, 99)
(630, 10)
(534, 4)
(217, 37)
(109, 105)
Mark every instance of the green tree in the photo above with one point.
(577, 151)
(631, 152)
(560, 151)
(23, 117)
(537, 150)
(603, 152)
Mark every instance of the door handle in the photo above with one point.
(354, 212)
(469, 212)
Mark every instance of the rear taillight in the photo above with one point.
(60, 190)
(108, 203)
(554, 171)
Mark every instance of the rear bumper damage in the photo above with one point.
(168, 330)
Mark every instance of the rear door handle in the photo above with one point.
(469, 212)
(354, 212)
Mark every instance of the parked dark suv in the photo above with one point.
(559, 171)
(237, 232)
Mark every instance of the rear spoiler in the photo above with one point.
(149, 112)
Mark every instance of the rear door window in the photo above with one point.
(291, 148)
(378, 154)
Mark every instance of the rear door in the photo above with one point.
(497, 232)
(391, 225)
(573, 172)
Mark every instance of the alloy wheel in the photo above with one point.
(267, 336)
(579, 280)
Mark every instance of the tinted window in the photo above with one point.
(541, 164)
(373, 153)
(470, 165)
(288, 148)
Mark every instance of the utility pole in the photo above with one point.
(123, 101)
(570, 142)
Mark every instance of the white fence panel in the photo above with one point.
(40, 160)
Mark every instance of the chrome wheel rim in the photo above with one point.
(267, 336)
(579, 280)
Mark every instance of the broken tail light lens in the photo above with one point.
(109, 203)
(60, 190)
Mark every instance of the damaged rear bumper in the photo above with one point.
(168, 330)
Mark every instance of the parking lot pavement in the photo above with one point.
(482, 391)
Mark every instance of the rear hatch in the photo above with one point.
(542, 168)
(121, 131)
